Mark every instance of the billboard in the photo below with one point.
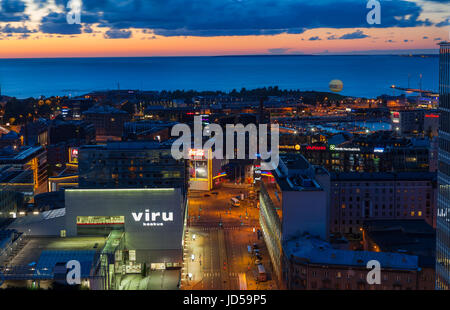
(73, 155)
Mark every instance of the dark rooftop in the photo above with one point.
(383, 176)
(414, 237)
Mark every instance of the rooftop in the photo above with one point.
(9, 154)
(11, 135)
(315, 251)
(104, 109)
(414, 237)
(39, 257)
(383, 176)
(47, 223)
(295, 173)
(127, 145)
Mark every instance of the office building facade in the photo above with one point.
(292, 202)
(443, 205)
(130, 165)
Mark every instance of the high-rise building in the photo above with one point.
(137, 164)
(443, 204)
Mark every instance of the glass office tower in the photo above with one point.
(443, 207)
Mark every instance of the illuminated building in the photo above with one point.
(443, 206)
(62, 182)
(406, 122)
(431, 124)
(135, 164)
(74, 107)
(357, 197)
(204, 171)
(152, 219)
(139, 189)
(293, 200)
(36, 132)
(30, 163)
(364, 156)
(11, 138)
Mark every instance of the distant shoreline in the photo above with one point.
(243, 56)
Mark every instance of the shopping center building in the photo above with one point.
(153, 220)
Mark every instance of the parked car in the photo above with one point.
(262, 275)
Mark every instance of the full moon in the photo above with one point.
(336, 85)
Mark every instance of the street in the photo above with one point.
(216, 253)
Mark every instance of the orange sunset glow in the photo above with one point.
(46, 33)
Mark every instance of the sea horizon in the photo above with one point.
(362, 75)
(436, 54)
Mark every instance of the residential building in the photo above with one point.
(357, 197)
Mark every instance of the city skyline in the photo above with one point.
(30, 29)
(135, 154)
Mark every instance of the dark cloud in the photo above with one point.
(316, 38)
(249, 17)
(223, 17)
(278, 50)
(87, 29)
(20, 29)
(12, 11)
(56, 23)
(358, 34)
(12, 6)
(443, 23)
(117, 34)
